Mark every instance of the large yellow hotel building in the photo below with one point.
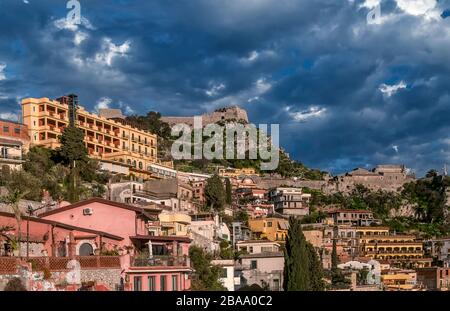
(378, 243)
(108, 140)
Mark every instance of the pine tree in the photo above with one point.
(296, 259)
(72, 146)
(228, 191)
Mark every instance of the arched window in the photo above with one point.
(86, 249)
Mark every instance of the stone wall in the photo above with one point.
(34, 281)
(108, 277)
(224, 114)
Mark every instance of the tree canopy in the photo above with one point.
(206, 275)
(215, 193)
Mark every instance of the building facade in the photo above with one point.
(105, 139)
(14, 142)
(290, 201)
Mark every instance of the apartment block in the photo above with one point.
(14, 141)
(290, 201)
(110, 140)
(351, 217)
(434, 278)
(395, 249)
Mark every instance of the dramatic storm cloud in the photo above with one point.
(346, 92)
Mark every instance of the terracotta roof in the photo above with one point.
(97, 200)
(64, 226)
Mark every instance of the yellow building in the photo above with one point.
(174, 224)
(272, 229)
(378, 244)
(397, 279)
(106, 139)
(371, 231)
(236, 172)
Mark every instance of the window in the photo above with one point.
(86, 249)
(276, 284)
(253, 264)
(137, 283)
(251, 249)
(152, 282)
(269, 224)
(223, 273)
(174, 283)
(17, 130)
(6, 129)
(163, 282)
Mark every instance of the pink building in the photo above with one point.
(100, 227)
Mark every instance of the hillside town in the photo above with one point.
(91, 201)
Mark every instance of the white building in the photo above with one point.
(290, 201)
(227, 277)
(258, 246)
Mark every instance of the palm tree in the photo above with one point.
(13, 200)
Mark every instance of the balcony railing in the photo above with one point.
(166, 261)
(9, 265)
(9, 157)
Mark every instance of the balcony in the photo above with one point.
(165, 261)
(11, 159)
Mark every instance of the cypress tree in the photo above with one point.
(296, 259)
(316, 272)
(228, 191)
(73, 151)
(334, 257)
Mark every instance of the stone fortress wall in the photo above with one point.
(233, 113)
(383, 177)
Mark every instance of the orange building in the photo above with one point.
(109, 140)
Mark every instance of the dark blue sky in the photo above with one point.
(346, 93)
